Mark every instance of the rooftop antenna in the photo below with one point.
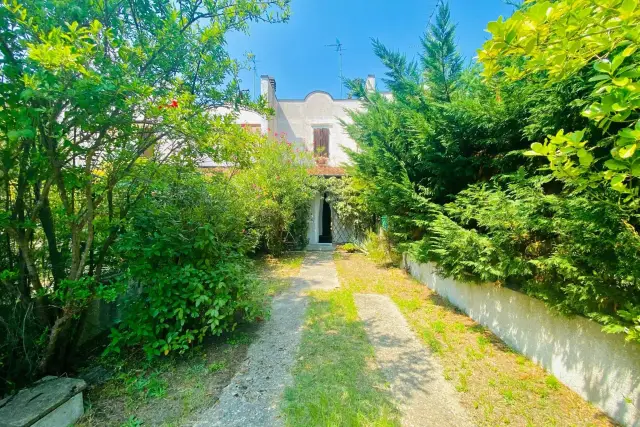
(254, 67)
(339, 49)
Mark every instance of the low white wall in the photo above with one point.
(602, 368)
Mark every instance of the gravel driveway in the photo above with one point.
(253, 396)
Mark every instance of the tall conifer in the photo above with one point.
(440, 59)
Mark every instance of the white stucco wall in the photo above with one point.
(298, 118)
(600, 367)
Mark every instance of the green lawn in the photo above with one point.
(336, 379)
(497, 385)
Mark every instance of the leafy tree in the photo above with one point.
(560, 39)
(440, 59)
(88, 88)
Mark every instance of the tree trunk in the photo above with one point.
(55, 256)
(54, 360)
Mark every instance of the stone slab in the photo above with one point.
(50, 402)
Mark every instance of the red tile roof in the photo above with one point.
(315, 170)
(326, 171)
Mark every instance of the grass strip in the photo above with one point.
(336, 379)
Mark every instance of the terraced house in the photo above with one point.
(313, 123)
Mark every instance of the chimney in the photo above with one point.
(265, 86)
(370, 85)
(268, 89)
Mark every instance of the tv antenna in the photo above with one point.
(339, 48)
(254, 67)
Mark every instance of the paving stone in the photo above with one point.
(418, 386)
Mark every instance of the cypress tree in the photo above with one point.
(440, 59)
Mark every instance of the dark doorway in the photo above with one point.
(325, 231)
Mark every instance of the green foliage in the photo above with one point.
(561, 39)
(345, 194)
(188, 274)
(276, 188)
(379, 249)
(349, 247)
(441, 62)
(575, 254)
(456, 188)
(95, 100)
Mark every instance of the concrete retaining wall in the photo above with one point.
(602, 368)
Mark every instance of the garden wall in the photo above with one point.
(602, 368)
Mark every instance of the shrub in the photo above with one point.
(276, 191)
(574, 253)
(189, 276)
(379, 249)
(349, 247)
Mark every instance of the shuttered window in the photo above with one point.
(321, 142)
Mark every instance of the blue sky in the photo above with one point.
(296, 56)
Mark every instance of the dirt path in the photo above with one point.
(253, 396)
(422, 394)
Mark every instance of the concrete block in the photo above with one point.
(51, 402)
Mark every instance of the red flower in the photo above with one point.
(174, 104)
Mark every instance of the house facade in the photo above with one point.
(315, 125)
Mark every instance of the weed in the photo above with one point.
(473, 354)
(447, 374)
(239, 338)
(483, 341)
(411, 304)
(439, 326)
(458, 327)
(552, 382)
(432, 341)
(349, 248)
(151, 386)
(508, 395)
(197, 369)
(215, 367)
(132, 422)
(463, 383)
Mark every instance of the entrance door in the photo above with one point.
(325, 231)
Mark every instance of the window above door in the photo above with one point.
(321, 142)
